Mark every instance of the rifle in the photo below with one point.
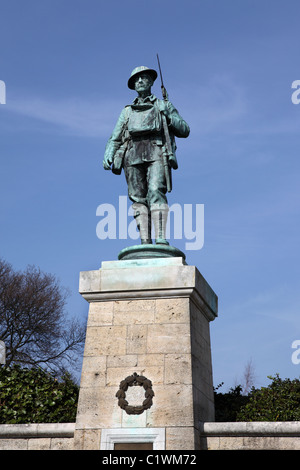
(168, 153)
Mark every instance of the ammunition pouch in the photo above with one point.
(117, 165)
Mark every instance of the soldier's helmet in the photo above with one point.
(137, 71)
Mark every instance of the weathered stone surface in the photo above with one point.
(41, 436)
(106, 340)
(94, 371)
(101, 313)
(250, 436)
(136, 341)
(145, 360)
(116, 374)
(13, 444)
(178, 369)
(133, 312)
(149, 279)
(61, 444)
(147, 317)
(87, 439)
(169, 338)
(177, 311)
(43, 443)
(212, 436)
(172, 405)
(98, 408)
(180, 438)
(129, 360)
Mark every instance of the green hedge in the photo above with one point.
(279, 401)
(35, 396)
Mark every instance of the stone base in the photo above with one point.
(148, 317)
(150, 251)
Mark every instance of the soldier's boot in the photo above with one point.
(160, 217)
(143, 221)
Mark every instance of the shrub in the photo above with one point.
(227, 405)
(280, 401)
(35, 396)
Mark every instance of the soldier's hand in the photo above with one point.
(164, 109)
(107, 163)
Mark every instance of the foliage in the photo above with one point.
(228, 405)
(280, 401)
(33, 323)
(35, 396)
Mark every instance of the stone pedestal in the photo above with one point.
(149, 318)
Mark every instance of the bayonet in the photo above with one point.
(163, 89)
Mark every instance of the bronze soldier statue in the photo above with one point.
(140, 144)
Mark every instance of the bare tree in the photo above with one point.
(33, 322)
(248, 377)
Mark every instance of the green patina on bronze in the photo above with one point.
(143, 144)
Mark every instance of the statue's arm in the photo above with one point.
(114, 142)
(177, 125)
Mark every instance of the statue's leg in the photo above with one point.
(159, 217)
(157, 200)
(143, 221)
(136, 177)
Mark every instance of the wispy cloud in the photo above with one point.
(224, 104)
(279, 302)
(219, 104)
(73, 115)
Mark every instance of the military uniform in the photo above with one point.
(139, 132)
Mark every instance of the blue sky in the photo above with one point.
(228, 67)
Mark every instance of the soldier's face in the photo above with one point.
(143, 83)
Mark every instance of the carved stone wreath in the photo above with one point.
(134, 380)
